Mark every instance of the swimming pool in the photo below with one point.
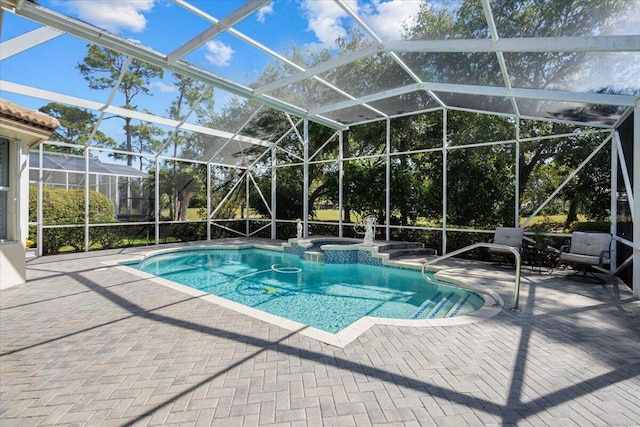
(329, 297)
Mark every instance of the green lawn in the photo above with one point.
(332, 215)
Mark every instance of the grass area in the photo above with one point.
(328, 215)
(332, 215)
(193, 214)
(555, 222)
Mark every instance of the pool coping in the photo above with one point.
(340, 339)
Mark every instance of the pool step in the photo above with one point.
(399, 253)
(443, 305)
(393, 250)
(393, 246)
(427, 305)
(458, 306)
(439, 310)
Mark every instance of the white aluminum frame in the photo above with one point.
(56, 24)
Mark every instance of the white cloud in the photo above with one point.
(325, 19)
(113, 15)
(219, 53)
(264, 12)
(384, 17)
(163, 87)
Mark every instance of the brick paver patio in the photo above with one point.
(83, 343)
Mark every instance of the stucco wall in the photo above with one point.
(12, 264)
(12, 253)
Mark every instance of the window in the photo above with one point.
(4, 189)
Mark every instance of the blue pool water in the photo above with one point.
(325, 296)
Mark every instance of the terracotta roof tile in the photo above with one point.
(9, 109)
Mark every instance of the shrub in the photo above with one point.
(190, 231)
(106, 237)
(66, 207)
(602, 226)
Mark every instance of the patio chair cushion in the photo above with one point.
(586, 248)
(589, 243)
(580, 259)
(508, 236)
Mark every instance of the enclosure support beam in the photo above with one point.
(19, 89)
(636, 200)
(388, 180)
(86, 198)
(274, 187)
(247, 188)
(40, 237)
(208, 201)
(340, 183)
(445, 153)
(305, 190)
(517, 173)
(156, 208)
(226, 23)
(129, 195)
(117, 195)
(27, 41)
(613, 202)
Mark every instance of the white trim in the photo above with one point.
(27, 41)
(623, 43)
(119, 111)
(237, 15)
(493, 91)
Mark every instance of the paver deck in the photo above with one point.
(84, 343)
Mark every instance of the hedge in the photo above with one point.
(600, 226)
(66, 207)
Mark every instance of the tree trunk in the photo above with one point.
(127, 130)
(347, 214)
(572, 215)
(185, 199)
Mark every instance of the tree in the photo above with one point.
(184, 180)
(549, 162)
(589, 191)
(76, 125)
(514, 18)
(323, 178)
(103, 67)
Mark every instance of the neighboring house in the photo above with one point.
(20, 130)
(123, 184)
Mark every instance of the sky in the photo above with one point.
(165, 25)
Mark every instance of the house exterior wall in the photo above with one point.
(12, 250)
